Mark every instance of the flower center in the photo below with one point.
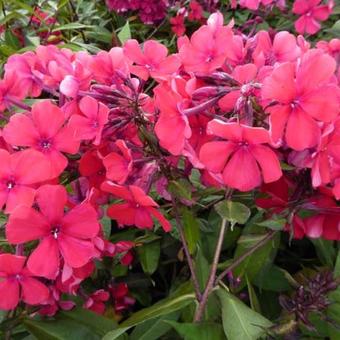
(55, 231)
(45, 144)
(10, 184)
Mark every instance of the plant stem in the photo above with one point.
(186, 251)
(240, 259)
(210, 284)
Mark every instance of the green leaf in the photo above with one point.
(181, 298)
(59, 330)
(239, 321)
(234, 212)
(201, 331)
(262, 257)
(254, 302)
(273, 278)
(71, 26)
(11, 40)
(325, 251)
(153, 329)
(202, 268)
(337, 265)
(149, 255)
(115, 334)
(191, 228)
(97, 323)
(106, 226)
(163, 307)
(275, 223)
(125, 33)
(181, 188)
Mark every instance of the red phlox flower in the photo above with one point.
(207, 49)
(91, 166)
(19, 173)
(121, 297)
(172, 127)
(242, 149)
(90, 123)
(177, 24)
(17, 283)
(195, 11)
(10, 90)
(44, 130)
(245, 75)
(304, 96)
(68, 235)
(152, 61)
(118, 164)
(138, 208)
(325, 223)
(327, 153)
(22, 66)
(105, 66)
(277, 201)
(282, 48)
(69, 280)
(96, 301)
(311, 14)
(254, 4)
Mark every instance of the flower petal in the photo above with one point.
(26, 224)
(44, 261)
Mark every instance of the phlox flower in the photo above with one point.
(152, 60)
(105, 66)
(325, 223)
(17, 283)
(245, 75)
(118, 164)
(304, 95)
(241, 149)
(11, 90)
(283, 47)
(172, 126)
(91, 166)
(19, 172)
(254, 4)
(89, 124)
(208, 46)
(138, 208)
(177, 24)
(311, 13)
(96, 302)
(44, 130)
(61, 235)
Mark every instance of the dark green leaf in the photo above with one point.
(254, 302)
(153, 329)
(325, 251)
(149, 255)
(257, 260)
(191, 229)
(59, 330)
(275, 223)
(239, 321)
(98, 324)
(201, 331)
(234, 212)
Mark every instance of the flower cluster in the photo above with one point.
(234, 108)
(150, 11)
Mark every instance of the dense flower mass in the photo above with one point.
(106, 136)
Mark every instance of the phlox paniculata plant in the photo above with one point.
(107, 133)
